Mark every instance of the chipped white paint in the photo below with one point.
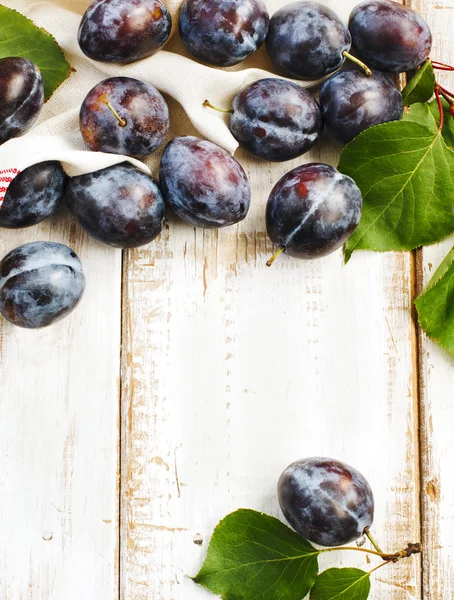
(59, 437)
(437, 380)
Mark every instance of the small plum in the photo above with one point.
(307, 40)
(223, 32)
(389, 36)
(124, 30)
(326, 501)
(203, 184)
(33, 195)
(119, 206)
(124, 116)
(40, 283)
(312, 210)
(276, 119)
(21, 96)
(352, 102)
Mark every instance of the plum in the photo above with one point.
(119, 206)
(21, 96)
(352, 102)
(326, 501)
(203, 184)
(276, 119)
(389, 36)
(40, 283)
(307, 40)
(33, 195)
(312, 210)
(122, 115)
(223, 32)
(124, 30)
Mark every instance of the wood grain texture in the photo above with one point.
(59, 406)
(232, 370)
(437, 379)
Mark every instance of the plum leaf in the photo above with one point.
(420, 88)
(405, 172)
(253, 555)
(341, 584)
(435, 305)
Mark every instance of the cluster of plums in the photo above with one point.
(312, 209)
(326, 501)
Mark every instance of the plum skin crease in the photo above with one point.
(306, 40)
(142, 108)
(119, 206)
(21, 96)
(33, 195)
(223, 32)
(326, 501)
(203, 184)
(389, 36)
(352, 102)
(124, 30)
(312, 210)
(276, 119)
(40, 283)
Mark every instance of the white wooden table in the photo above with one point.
(189, 378)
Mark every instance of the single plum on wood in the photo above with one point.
(119, 206)
(124, 116)
(307, 40)
(276, 119)
(203, 184)
(223, 32)
(326, 501)
(40, 283)
(312, 210)
(33, 195)
(21, 96)
(389, 36)
(124, 30)
(352, 102)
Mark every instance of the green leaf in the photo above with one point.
(21, 37)
(428, 114)
(420, 88)
(406, 174)
(435, 305)
(341, 584)
(253, 556)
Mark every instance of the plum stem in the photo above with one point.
(122, 122)
(275, 255)
(448, 96)
(354, 549)
(441, 66)
(372, 540)
(380, 566)
(224, 110)
(395, 557)
(358, 62)
(440, 107)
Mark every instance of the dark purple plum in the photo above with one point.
(119, 206)
(312, 210)
(33, 195)
(40, 283)
(124, 30)
(389, 36)
(223, 32)
(307, 40)
(352, 102)
(124, 116)
(203, 184)
(326, 501)
(21, 96)
(276, 119)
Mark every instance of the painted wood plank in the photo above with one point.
(437, 380)
(232, 370)
(59, 407)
